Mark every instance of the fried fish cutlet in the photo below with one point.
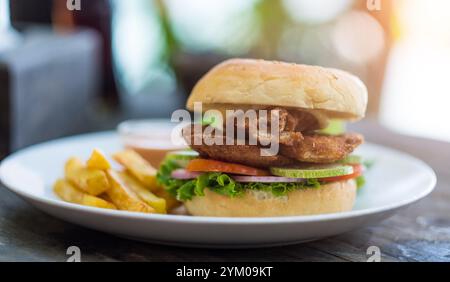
(291, 124)
(318, 148)
(288, 120)
(313, 148)
(242, 154)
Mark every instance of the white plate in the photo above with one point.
(396, 181)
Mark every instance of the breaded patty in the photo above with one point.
(317, 148)
(312, 148)
(242, 154)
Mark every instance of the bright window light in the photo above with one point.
(416, 94)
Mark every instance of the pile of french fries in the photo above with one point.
(96, 184)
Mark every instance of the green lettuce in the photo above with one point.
(360, 181)
(221, 183)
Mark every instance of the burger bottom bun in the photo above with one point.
(329, 198)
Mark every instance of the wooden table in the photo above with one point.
(419, 233)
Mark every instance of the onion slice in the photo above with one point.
(184, 174)
(267, 179)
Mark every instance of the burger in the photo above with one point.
(294, 109)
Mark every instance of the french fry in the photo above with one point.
(105, 197)
(66, 191)
(123, 197)
(159, 204)
(138, 167)
(91, 181)
(98, 161)
(171, 201)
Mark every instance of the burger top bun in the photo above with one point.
(248, 83)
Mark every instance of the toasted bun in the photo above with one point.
(332, 93)
(330, 198)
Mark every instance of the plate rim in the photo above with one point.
(207, 219)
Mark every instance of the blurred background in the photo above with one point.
(70, 67)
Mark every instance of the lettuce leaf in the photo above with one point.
(360, 181)
(221, 183)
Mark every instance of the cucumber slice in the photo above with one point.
(352, 159)
(182, 158)
(314, 171)
(335, 127)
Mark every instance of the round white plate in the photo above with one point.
(395, 181)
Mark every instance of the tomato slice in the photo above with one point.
(203, 165)
(357, 172)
